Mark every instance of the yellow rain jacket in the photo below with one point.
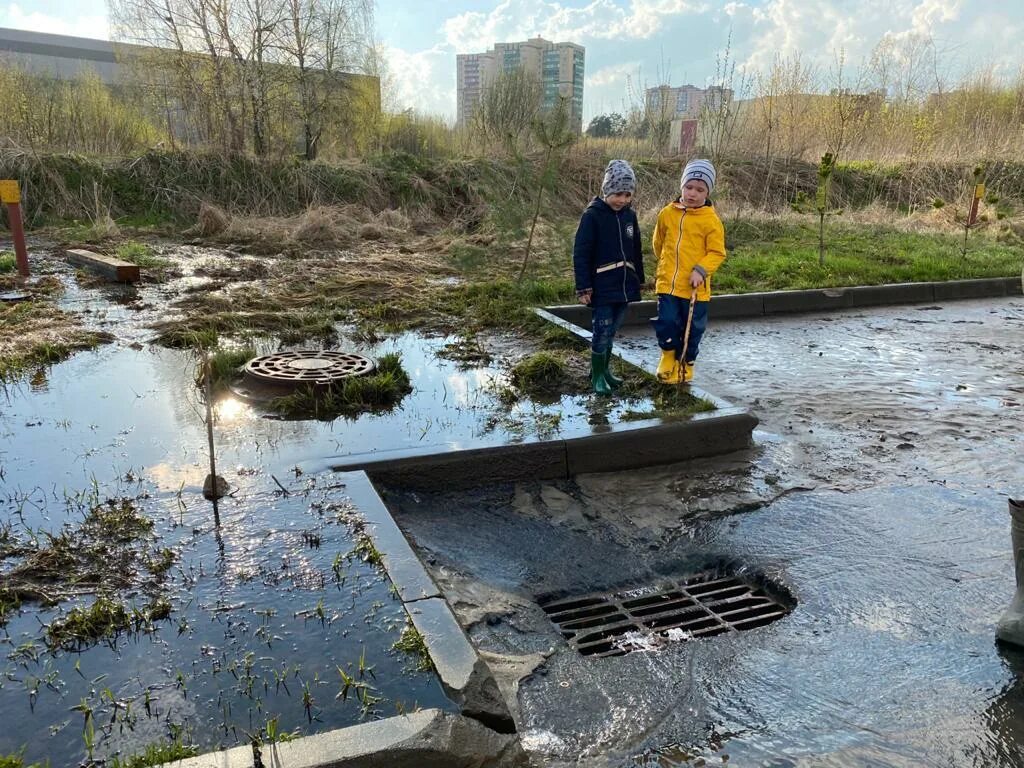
(686, 239)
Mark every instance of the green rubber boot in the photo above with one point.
(613, 381)
(598, 369)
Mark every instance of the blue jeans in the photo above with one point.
(605, 320)
(670, 324)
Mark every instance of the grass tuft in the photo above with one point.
(156, 755)
(378, 392)
(412, 642)
(542, 373)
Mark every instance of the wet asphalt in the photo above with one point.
(875, 492)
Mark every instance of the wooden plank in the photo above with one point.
(108, 266)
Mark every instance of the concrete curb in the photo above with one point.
(740, 305)
(429, 738)
(608, 448)
(464, 676)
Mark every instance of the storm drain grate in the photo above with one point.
(309, 367)
(701, 605)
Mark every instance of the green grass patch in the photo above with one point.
(378, 392)
(202, 331)
(155, 755)
(141, 255)
(8, 262)
(225, 365)
(105, 619)
(505, 303)
(785, 256)
(18, 761)
(541, 374)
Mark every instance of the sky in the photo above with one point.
(631, 44)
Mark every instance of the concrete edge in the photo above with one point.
(739, 305)
(664, 443)
(429, 738)
(465, 677)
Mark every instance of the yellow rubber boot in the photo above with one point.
(688, 372)
(667, 365)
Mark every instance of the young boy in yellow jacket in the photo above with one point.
(689, 241)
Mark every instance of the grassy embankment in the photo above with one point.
(399, 241)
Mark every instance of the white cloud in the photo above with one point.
(423, 81)
(94, 26)
(476, 31)
(931, 13)
(615, 74)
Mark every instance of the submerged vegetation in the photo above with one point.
(413, 643)
(379, 391)
(104, 619)
(105, 552)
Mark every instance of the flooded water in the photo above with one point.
(265, 610)
(875, 492)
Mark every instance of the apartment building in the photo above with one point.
(559, 67)
(684, 102)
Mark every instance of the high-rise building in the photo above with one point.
(558, 67)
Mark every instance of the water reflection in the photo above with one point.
(1004, 717)
(230, 409)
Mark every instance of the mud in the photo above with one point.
(875, 492)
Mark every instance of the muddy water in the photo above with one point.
(876, 492)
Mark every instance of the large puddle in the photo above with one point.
(876, 493)
(276, 622)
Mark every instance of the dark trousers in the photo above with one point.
(670, 324)
(605, 320)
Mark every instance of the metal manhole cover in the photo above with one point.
(702, 605)
(313, 367)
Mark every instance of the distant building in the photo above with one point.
(63, 57)
(60, 56)
(559, 68)
(684, 102)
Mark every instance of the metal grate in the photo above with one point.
(702, 605)
(317, 368)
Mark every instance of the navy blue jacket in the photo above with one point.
(607, 256)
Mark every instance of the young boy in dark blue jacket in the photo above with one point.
(609, 266)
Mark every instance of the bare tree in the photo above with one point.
(508, 107)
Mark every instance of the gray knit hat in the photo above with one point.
(618, 177)
(699, 170)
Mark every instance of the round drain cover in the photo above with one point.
(315, 367)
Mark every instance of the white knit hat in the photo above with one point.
(618, 177)
(699, 170)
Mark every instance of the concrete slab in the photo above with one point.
(237, 757)
(426, 739)
(650, 444)
(977, 289)
(896, 293)
(403, 566)
(805, 301)
(108, 266)
(465, 676)
(437, 468)
(736, 305)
